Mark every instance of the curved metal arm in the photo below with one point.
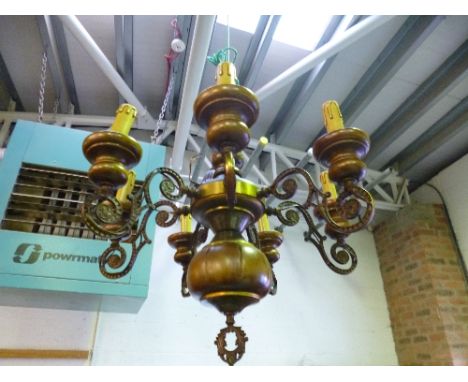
(349, 202)
(115, 255)
(289, 214)
(172, 186)
(106, 218)
(284, 186)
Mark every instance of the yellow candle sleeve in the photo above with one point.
(124, 118)
(123, 192)
(332, 117)
(263, 223)
(226, 73)
(328, 185)
(186, 223)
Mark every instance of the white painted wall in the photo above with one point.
(45, 328)
(452, 182)
(317, 317)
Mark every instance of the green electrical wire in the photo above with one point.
(222, 56)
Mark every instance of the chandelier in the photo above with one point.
(235, 269)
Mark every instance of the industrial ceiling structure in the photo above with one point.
(405, 82)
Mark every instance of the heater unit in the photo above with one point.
(44, 244)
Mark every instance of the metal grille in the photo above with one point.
(48, 201)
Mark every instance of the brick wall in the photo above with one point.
(424, 286)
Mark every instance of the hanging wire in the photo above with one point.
(228, 39)
(42, 84)
(224, 54)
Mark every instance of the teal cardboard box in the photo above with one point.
(54, 262)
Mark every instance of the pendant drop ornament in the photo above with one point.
(234, 355)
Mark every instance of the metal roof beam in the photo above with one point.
(445, 128)
(305, 85)
(92, 49)
(64, 58)
(432, 90)
(326, 51)
(7, 82)
(404, 43)
(123, 26)
(254, 43)
(257, 50)
(288, 112)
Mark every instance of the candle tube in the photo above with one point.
(124, 118)
(332, 117)
(186, 223)
(328, 185)
(123, 192)
(226, 73)
(263, 223)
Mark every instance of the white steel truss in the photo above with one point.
(388, 188)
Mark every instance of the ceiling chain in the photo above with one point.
(42, 85)
(159, 128)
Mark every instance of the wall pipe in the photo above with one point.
(196, 62)
(87, 42)
(458, 252)
(326, 51)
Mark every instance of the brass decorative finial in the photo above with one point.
(234, 355)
